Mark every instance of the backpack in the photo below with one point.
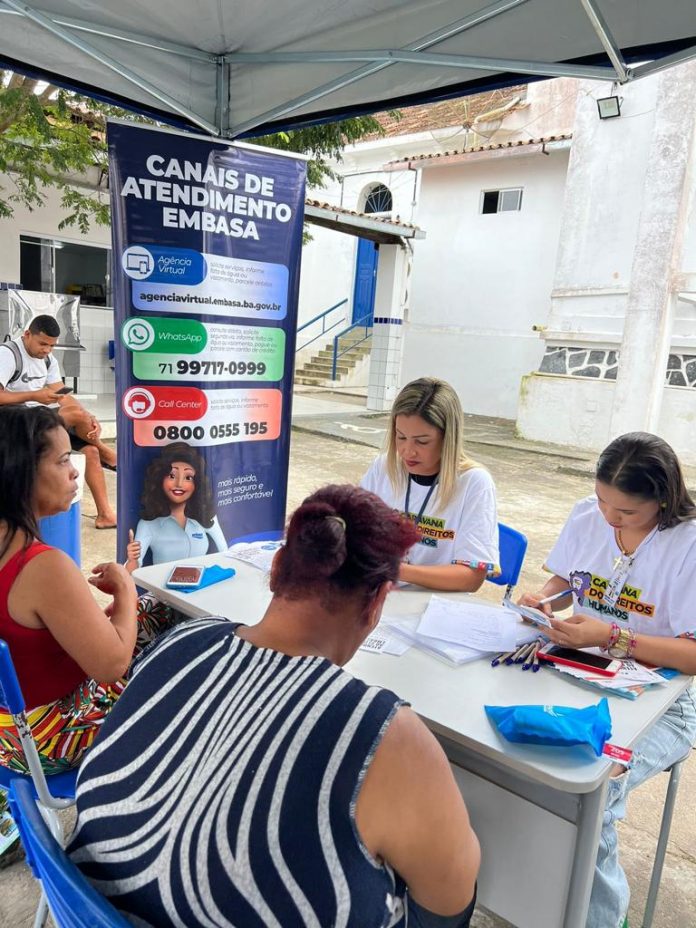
(19, 361)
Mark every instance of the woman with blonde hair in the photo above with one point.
(426, 474)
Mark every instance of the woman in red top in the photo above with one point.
(61, 641)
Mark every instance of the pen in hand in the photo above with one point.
(551, 599)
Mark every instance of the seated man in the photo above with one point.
(29, 374)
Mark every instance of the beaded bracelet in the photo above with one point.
(613, 636)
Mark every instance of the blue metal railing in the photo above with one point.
(362, 323)
(324, 328)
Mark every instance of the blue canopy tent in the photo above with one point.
(235, 69)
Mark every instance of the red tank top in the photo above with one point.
(46, 672)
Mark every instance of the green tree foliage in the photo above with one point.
(48, 140)
(53, 139)
(321, 143)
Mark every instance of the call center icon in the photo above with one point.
(138, 403)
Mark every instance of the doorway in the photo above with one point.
(365, 281)
(377, 201)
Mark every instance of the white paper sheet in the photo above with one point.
(405, 628)
(257, 553)
(473, 625)
(379, 641)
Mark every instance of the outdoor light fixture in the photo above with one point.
(609, 107)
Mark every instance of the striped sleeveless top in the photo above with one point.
(222, 789)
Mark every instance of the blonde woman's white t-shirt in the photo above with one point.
(465, 530)
(658, 594)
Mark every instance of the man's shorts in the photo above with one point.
(77, 444)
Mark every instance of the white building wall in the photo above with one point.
(326, 278)
(480, 282)
(628, 179)
(328, 260)
(43, 222)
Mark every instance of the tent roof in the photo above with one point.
(246, 68)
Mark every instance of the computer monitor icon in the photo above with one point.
(138, 261)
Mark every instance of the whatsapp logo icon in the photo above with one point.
(137, 334)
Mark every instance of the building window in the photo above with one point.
(378, 200)
(501, 201)
(53, 266)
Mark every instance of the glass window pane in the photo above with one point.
(489, 201)
(510, 200)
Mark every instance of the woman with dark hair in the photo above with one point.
(178, 515)
(60, 640)
(245, 763)
(629, 555)
(69, 654)
(426, 473)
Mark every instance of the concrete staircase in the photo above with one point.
(317, 371)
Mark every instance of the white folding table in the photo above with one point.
(536, 810)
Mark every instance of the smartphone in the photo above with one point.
(64, 390)
(188, 575)
(606, 666)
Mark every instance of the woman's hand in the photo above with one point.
(535, 601)
(112, 579)
(579, 631)
(133, 552)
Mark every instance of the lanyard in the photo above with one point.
(622, 568)
(618, 579)
(407, 511)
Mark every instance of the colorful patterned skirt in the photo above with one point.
(65, 729)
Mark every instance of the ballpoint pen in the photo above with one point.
(532, 657)
(503, 656)
(524, 652)
(550, 599)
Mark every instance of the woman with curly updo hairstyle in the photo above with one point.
(177, 511)
(330, 797)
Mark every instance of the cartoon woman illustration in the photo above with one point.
(177, 513)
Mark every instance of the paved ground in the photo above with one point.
(334, 441)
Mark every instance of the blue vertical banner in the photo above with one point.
(207, 238)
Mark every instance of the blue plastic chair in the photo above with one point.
(73, 902)
(63, 531)
(513, 547)
(62, 793)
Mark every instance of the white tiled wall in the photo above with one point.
(96, 328)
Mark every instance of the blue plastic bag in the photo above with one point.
(554, 725)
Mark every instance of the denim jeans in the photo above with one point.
(667, 741)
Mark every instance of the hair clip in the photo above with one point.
(341, 521)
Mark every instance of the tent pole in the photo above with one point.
(46, 23)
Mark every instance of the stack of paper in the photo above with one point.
(630, 680)
(461, 632)
(406, 630)
(257, 553)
